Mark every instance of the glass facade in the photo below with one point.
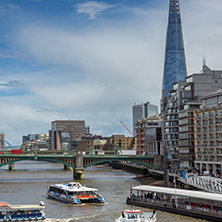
(175, 65)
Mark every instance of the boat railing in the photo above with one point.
(184, 206)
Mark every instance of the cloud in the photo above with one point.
(92, 8)
(12, 83)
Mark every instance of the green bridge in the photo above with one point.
(78, 162)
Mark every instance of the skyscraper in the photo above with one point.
(175, 64)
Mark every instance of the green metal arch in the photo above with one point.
(58, 161)
(47, 160)
(104, 161)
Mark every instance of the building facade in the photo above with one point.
(148, 135)
(208, 128)
(120, 142)
(178, 117)
(32, 141)
(141, 111)
(64, 132)
(175, 65)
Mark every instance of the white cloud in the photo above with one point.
(92, 8)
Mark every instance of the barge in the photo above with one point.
(196, 204)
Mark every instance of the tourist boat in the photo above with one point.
(137, 216)
(21, 212)
(192, 203)
(74, 193)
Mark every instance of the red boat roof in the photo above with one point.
(4, 204)
(133, 211)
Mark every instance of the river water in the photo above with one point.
(28, 183)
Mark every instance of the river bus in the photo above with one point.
(74, 193)
(22, 212)
(197, 204)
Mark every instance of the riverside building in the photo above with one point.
(208, 128)
(178, 118)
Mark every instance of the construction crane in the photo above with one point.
(126, 128)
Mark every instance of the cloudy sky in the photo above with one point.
(92, 60)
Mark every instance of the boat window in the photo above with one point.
(55, 189)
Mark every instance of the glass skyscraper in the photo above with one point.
(175, 64)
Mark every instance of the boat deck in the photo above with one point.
(171, 209)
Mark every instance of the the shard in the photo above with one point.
(175, 64)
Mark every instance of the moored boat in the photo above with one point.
(74, 193)
(199, 204)
(21, 212)
(137, 216)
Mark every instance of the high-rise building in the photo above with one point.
(64, 132)
(141, 111)
(175, 64)
(178, 127)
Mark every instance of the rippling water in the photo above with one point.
(27, 185)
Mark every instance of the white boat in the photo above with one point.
(74, 193)
(137, 216)
(21, 212)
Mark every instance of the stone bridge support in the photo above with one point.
(78, 172)
(11, 167)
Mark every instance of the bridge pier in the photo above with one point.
(78, 174)
(11, 167)
(67, 167)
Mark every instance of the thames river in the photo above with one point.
(28, 184)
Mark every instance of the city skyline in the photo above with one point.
(92, 60)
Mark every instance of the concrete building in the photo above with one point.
(208, 128)
(141, 111)
(178, 114)
(64, 132)
(148, 135)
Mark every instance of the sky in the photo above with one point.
(93, 60)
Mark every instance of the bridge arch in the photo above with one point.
(117, 159)
(45, 160)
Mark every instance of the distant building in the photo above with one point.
(148, 135)
(31, 141)
(36, 137)
(141, 111)
(64, 132)
(2, 140)
(92, 143)
(120, 142)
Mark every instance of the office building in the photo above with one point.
(175, 64)
(141, 111)
(64, 132)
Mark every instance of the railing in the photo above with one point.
(207, 183)
(179, 205)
